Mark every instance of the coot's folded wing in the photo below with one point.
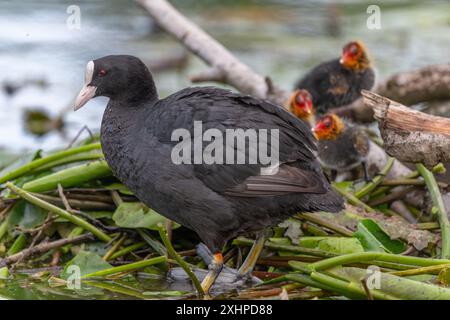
(296, 169)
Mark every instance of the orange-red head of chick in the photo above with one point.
(300, 104)
(354, 56)
(328, 127)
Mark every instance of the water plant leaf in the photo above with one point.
(4, 273)
(28, 157)
(401, 288)
(338, 245)
(26, 215)
(373, 238)
(85, 262)
(137, 215)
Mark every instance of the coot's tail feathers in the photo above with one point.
(329, 202)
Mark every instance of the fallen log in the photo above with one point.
(410, 135)
(224, 66)
(430, 83)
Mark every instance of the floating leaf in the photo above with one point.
(373, 238)
(85, 262)
(137, 215)
(120, 188)
(4, 273)
(338, 245)
(26, 215)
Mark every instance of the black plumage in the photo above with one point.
(218, 201)
(344, 148)
(334, 84)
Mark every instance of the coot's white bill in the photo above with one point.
(87, 92)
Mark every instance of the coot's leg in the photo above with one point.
(333, 174)
(366, 172)
(214, 269)
(253, 255)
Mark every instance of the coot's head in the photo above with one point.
(121, 77)
(355, 56)
(300, 104)
(328, 127)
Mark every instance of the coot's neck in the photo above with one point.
(141, 92)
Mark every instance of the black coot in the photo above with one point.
(218, 201)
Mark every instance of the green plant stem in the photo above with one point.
(3, 228)
(427, 225)
(281, 247)
(74, 158)
(114, 248)
(422, 270)
(412, 175)
(128, 249)
(303, 279)
(126, 267)
(18, 244)
(171, 251)
(352, 199)
(59, 212)
(368, 188)
(70, 177)
(45, 160)
(113, 287)
(344, 287)
(436, 197)
(326, 223)
(378, 256)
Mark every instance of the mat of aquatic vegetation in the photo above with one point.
(70, 230)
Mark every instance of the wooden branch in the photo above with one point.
(409, 135)
(230, 69)
(44, 247)
(430, 83)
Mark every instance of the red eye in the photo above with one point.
(102, 73)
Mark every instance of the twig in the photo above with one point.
(44, 247)
(85, 128)
(326, 223)
(114, 248)
(396, 195)
(58, 211)
(63, 198)
(225, 67)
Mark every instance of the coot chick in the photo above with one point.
(342, 146)
(218, 201)
(339, 82)
(300, 104)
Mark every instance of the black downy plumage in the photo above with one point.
(340, 81)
